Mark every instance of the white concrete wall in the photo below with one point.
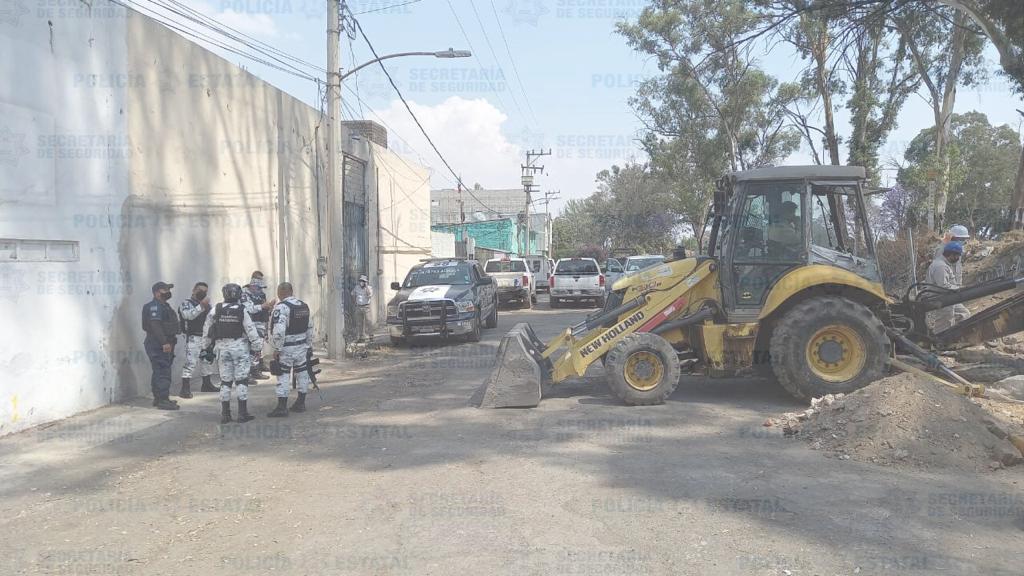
(171, 164)
(403, 208)
(64, 164)
(223, 174)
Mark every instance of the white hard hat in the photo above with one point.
(959, 231)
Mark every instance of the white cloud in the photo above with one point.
(467, 132)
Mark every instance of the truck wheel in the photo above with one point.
(527, 303)
(600, 302)
(492, 318)
(533, 298)
(553, 302)
(397, 341)
(828, 345)
(642, 369)
(474, 335)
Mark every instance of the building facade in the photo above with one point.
(129, 155)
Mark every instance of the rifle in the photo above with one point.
(276, 369)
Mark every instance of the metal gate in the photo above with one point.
(356, 234)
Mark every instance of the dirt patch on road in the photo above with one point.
(906, 421)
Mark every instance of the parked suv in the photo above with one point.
(576, 280)
(443, 297)
(514, 280)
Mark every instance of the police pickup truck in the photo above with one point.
(443, 297)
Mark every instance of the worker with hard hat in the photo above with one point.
(941, 273)
(959, 234)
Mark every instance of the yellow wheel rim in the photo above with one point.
(644, 370)
(836, 353)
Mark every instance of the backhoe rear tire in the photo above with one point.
(642, 369)
(828, 345)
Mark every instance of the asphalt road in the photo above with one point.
(395, 473)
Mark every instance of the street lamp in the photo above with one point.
(449, 53)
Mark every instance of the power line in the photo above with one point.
(476, 56)
(413, 114)
(238, 36)
(194, 34)
(399, 136)
(494, 55)
(515, 69)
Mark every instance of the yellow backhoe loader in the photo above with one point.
(790, 282)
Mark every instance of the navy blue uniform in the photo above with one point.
(161, 326)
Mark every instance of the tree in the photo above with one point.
(711, 110)
(947, 54)
(630, 209)
(895, 213)
(1001, 21)
(982, 166)
(881, 82)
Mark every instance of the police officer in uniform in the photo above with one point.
(231, 334)
(161, 326)
(255, 300)
(192, 313)
(292, 337)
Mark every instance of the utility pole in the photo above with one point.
(335, 189)
(462, 219)
(548, 197)
(528, 170)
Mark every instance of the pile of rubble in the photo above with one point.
(906, 421)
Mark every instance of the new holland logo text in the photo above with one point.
(610, 335)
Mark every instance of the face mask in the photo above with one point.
(200, 295)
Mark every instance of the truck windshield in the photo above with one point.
(499, 266)
(576, 267)
(443, 275)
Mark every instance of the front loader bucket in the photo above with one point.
(519, 371)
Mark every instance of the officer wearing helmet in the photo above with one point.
(231, 333)
(291, 333)
(959, 234)
(942, 273)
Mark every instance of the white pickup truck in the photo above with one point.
(513, 279)
(576, 279)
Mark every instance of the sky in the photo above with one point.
(545, 74)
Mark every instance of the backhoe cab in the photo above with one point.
(789, 281)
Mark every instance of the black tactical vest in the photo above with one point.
(298, 318)
(259, 298)
(168, 319)
(228, 323)
(193, 327)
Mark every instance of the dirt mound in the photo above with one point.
(904, 421)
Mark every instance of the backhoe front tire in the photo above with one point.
(642, 369)
(828, 345)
